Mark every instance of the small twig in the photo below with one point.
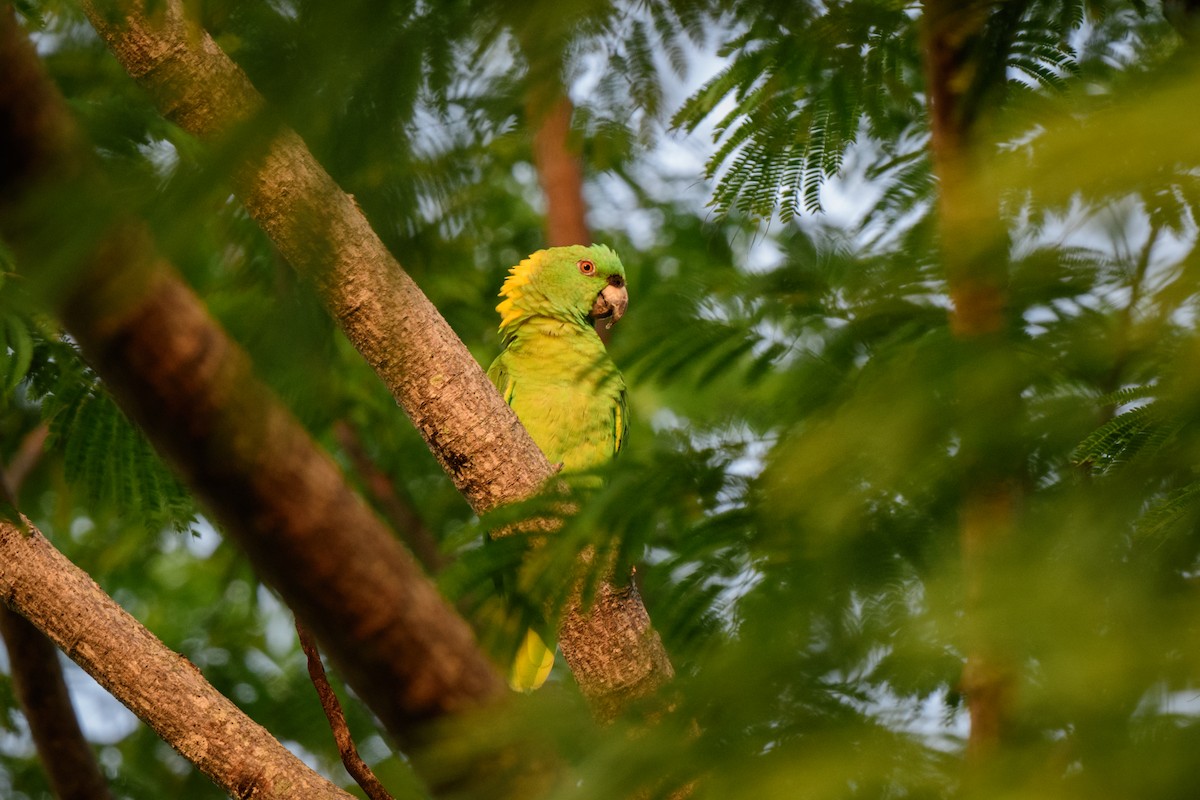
(353, 762)
(396, 508)
(29, 453)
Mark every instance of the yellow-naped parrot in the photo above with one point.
(557, 376)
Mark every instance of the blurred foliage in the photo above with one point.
(791, 486)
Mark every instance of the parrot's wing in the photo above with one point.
(620, 420)
(498, 374)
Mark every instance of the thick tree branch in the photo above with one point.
(611, 648)
(177, 374)
(322, 233)
(164, 689)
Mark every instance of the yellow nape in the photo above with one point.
(508, 313)
(532, 664)
(518, 277)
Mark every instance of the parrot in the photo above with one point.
(557, 376)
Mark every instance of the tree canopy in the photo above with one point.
(910, 490)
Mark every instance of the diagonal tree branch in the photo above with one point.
(164, 689)
(178, 375)
(324, 236)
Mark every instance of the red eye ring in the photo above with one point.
(587, 267)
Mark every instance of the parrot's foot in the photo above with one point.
(556, 468)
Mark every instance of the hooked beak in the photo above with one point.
(611, 302)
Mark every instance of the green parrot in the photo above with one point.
(557, 376)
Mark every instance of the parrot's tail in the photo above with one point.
(532, 664)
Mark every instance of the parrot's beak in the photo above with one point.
(611, 302)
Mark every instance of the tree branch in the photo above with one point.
(612, 649)
(396, 508)
(322, 233)
(164, 689)
(559, 172)
(28, 454)
(351, 760)
(325, 237)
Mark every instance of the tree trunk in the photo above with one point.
(318, 228)
(164, 689)
(559, 172)
(180, 377)
(976, 270)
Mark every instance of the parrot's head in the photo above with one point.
(574, 285)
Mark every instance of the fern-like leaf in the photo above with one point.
(109, 459)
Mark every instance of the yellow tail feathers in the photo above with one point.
(532, 664)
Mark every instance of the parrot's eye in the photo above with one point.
(587, 267)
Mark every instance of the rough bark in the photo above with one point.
(976, 271)
(160, 686)
(178, 375)
(323, 234)
(611, 648)
(164, 689)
